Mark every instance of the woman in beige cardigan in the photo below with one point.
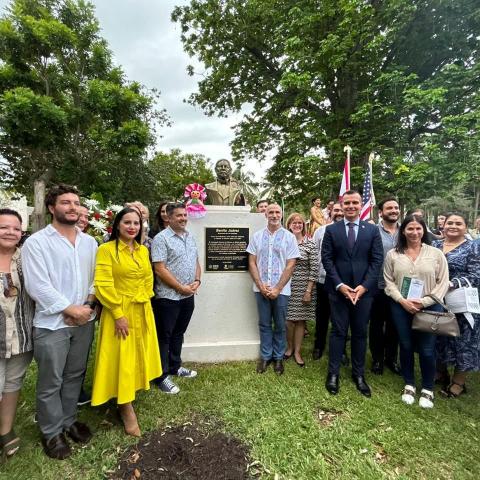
(413, 270)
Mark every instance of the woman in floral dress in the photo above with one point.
(463, 352)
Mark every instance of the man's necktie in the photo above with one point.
(351, 235)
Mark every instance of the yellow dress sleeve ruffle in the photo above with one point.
(104, 284)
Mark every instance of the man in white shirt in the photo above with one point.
(59, 264)
(273, 253)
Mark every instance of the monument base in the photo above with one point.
(224, 325)
(220, 352)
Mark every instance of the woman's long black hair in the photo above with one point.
(114, 236)
(402, 239)
(158, 217)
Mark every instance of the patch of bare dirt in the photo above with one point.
(326, 417)
(186, 453)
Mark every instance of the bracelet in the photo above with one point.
(91, 304)
(198, 280)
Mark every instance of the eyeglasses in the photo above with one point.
(9, 289)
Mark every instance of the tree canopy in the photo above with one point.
(398, 77)
(173, 171)
(66, 112)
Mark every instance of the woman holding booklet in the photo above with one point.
(414, 273)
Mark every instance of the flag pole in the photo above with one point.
(346, 173)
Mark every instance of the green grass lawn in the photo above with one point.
(285, 422)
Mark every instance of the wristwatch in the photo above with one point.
(91, 304)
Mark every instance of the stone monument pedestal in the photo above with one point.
(224, 326)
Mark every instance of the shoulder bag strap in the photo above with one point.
(438, 301)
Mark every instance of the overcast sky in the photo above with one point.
(147, 45)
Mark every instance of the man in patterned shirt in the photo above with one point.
(177, 278)
(273, 253)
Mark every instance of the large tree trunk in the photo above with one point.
(38, 215)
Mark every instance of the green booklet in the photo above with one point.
(412, 288)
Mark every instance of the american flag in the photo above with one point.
(368, 198)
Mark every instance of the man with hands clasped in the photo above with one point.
(272, 255)
(59, 264)
(352, 255)
(177, 279)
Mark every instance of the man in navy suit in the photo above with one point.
(352, 255)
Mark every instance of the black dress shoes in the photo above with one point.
(262, 365)
(393, 367)
(278, 367)
(377, 368)
(316, 354)
(332, 383)
(57, 447)
(79, 432)
(362, 386)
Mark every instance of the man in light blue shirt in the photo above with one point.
(383, 338)
(177, 278)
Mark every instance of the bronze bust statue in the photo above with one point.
(225, 190)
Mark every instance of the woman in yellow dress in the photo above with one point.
(316, 216)
(127, 356)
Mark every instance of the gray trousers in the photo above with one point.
(61, 356)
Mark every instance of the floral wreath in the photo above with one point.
(100, 219)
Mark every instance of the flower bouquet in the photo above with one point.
(100, 219)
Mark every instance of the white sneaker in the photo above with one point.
(167, 386)
(186, 373)
(426, 398)
(408, 395)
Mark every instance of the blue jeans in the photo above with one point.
(273, 339)
(411, 341)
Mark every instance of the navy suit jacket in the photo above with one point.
(360, 266)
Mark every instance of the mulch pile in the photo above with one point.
(187, 453)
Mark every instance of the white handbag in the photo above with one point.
(463, 299)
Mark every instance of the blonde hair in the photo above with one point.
(292, 217)
(139, 206)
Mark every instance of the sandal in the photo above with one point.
(9, 444)
(443, 379)
(447, 391)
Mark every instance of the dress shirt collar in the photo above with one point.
(171, 233)
(356, 222)
(122, 245)
(380, 223)
(51, 230)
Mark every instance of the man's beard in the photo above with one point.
(61, 218)
(388, 219)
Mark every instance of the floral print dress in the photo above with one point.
(464, 351)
